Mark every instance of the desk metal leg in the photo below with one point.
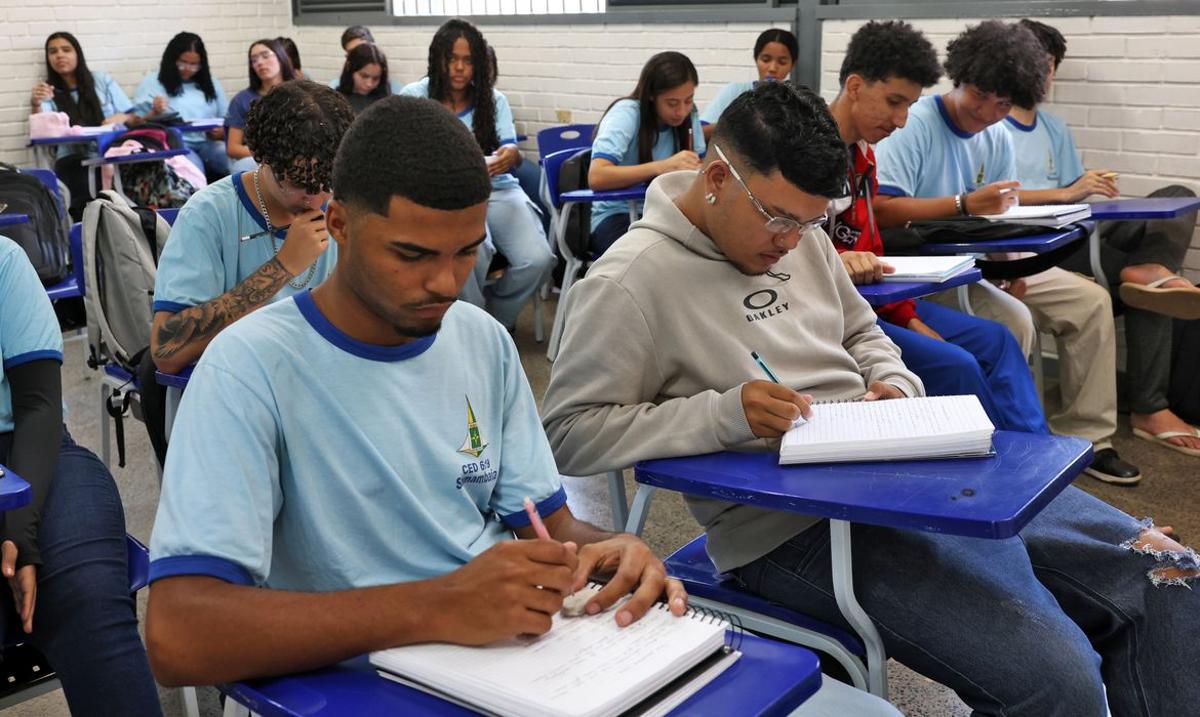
(964, 299)
(173, 395)
(618, 503)
(633, 213)
(1094, 256)
(639, 509)
(843, 590)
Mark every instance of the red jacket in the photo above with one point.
(854, 229)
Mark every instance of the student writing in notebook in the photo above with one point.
(656, 363)
(653, 130)
(952, 158)
(885, 67)
(376, 503)
(1142, 257)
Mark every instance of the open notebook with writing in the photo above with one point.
(1048, 215)
(584, 666)
(899, 429)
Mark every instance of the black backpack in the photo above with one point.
(44, 236)
(571, 176)
(902, 240)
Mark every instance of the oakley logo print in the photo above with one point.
(763, 304)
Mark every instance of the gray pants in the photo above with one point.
(1147, 334)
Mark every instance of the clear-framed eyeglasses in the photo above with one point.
(775, 225)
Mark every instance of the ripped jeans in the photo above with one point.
(1040, 624)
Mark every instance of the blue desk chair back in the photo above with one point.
(569, 136)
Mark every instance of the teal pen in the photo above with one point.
(763, 365)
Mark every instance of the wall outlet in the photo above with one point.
(563, 116)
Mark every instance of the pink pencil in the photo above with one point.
(536, 520)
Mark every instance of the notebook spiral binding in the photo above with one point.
(734, 634)
(830, 401)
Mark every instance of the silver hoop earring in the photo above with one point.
(710, 198)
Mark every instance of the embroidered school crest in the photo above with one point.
(979, 176)
(473, 446)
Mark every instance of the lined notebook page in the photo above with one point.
(583, 666)
(932, 426)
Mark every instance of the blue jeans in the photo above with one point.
(978, 357)
(1038, 624)
(209, 157)
(516, 230)
(85, 621)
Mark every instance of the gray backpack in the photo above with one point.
(121, 245)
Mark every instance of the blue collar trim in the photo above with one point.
(1020, 125)
(949, 122)
(254, 211)
(337, 337)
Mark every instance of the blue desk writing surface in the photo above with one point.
(635, 193)
(1148, 208)
(14, 491)
(884, 293)
(771, 678)
(1036, 243)
(7, 220)
(174, 380)
(992, 497)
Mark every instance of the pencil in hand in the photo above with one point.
(536, 520)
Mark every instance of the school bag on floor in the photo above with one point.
(164, 184)
(44, 236)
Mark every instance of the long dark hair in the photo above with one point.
(86, 110)
(663, 72)
(783, 37)
(361, 56)
(479, 91)
(168, 73)
(285, 65)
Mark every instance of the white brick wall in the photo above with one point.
(127, 49)
(1129, 88)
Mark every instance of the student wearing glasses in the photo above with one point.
(185, 85)
(269, 68)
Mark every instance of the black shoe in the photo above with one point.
(1107, 466)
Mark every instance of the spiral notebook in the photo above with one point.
(583, 667)
(899, 429)
(1054, 216)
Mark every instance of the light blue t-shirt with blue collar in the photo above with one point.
(112, 98)
(506, 128)
(617, 141)
(729, 93)
(190, 103)
(1046, 154)
(28, 328)
(303, 459)
(205, 257)
(931, 157)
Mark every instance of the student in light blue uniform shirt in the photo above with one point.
(375, 507)
(1141, 259)
(269, 68)
(65, 550)
(184, 84)
(954, 157)
(250, 239)
(653, 131)
(775, 53)
(459, 79)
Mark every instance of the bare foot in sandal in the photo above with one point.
(1144, 274)
(1165, 421)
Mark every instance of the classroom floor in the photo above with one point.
(1168, 493)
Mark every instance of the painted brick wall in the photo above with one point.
(1129, 88)
(124, 38)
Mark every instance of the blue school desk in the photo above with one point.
(1036, 243)
(14, 491)
(992, 497)
(887, 292)
(629, 195)
(43, 147)
(1131, 210)
(174, 383)
(771, 678)
(201, 125)
(7, 220)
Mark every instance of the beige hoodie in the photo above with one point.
(657, 345)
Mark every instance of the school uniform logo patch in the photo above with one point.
(474, 445)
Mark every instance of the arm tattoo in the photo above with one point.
(201, 323)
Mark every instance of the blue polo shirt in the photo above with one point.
(617, 141)
(1046, 153)
(506, 128)
(729, 93)
(303, 459)
(28, 328)
(931, 157)
(112, 98)
(190, 103)
(205, 256)
(239, 107)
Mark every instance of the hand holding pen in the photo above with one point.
(772, 408)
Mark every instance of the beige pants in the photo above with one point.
(1078, 313)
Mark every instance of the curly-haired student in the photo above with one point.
(459, 78)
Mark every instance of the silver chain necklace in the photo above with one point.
(262, 207)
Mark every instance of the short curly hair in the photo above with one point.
(1001, 58)
(881, 50)
(296, 129)
(413, 148)
(778, 126)
(1052, 40)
